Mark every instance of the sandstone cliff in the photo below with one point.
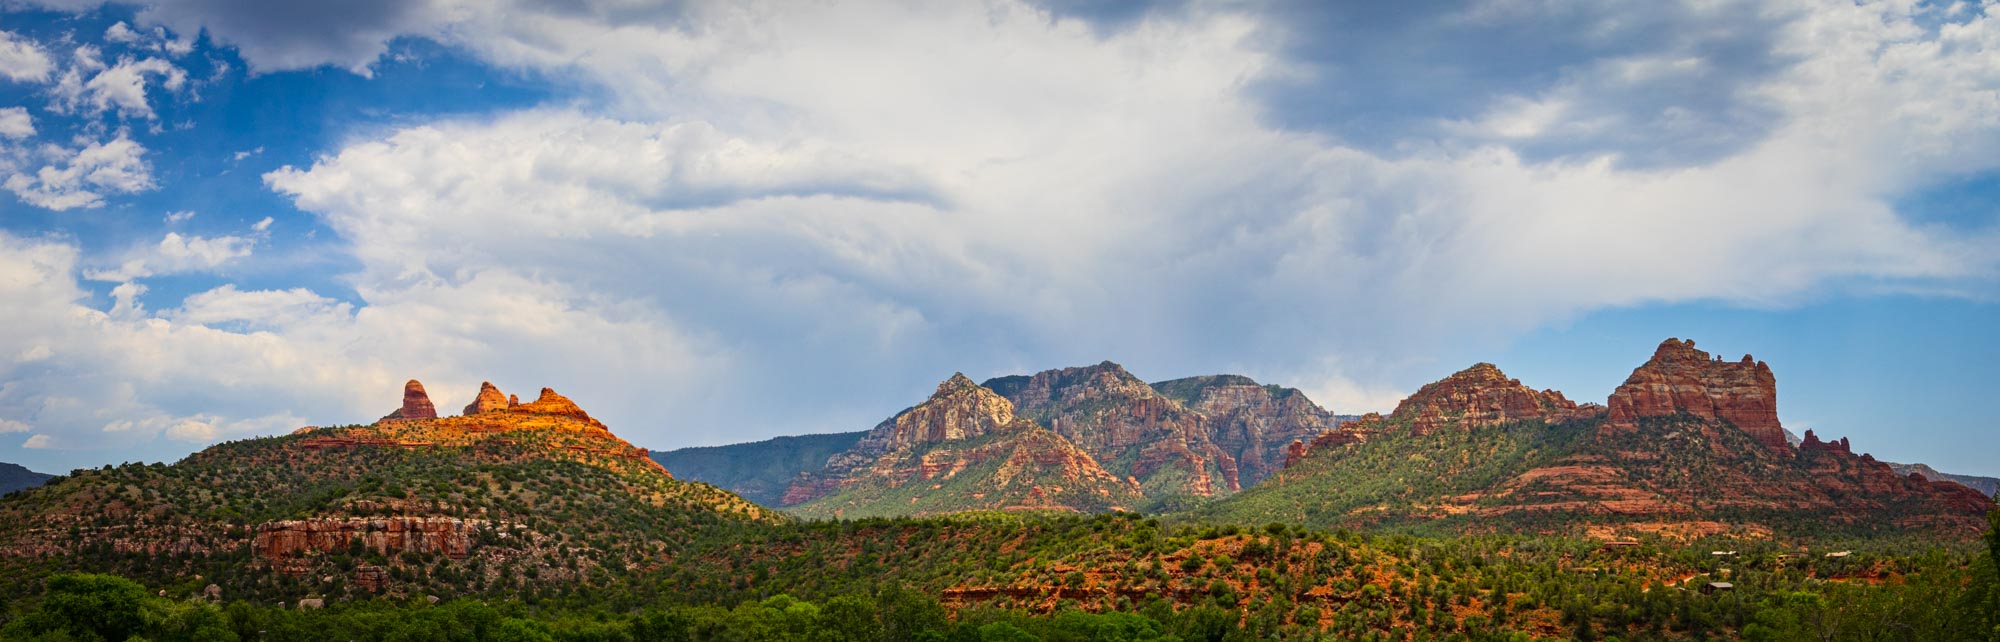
(1682, 379)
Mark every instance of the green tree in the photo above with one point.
(848, 618)
(85, 607)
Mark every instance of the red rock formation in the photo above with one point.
(488, 400)
(386, 535)
(1249, 421)
(1118, 418)
(551, 403)
(416, 404)
(961, 426)
(1681, 379)
(1476, 397)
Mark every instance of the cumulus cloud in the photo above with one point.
(76, 178)
(39, 442)
(230, 362)
(1129, 182)
(782, 198)
(121, 87)
(176, 253)
(22, 60)
(11, 425)
(15, 124)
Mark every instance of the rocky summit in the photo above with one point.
(489, 399)
(1681, 379)
(962, 449)
(404, 506)
(1689, 445)
(416, 404)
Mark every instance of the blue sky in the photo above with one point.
(716, 222)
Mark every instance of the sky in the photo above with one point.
(714, 222)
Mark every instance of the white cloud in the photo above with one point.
(82, 177)
(194, 430)
(263, 225)
(175, 254)
(1088, 195)
(21, 60)
(180, 216)
(123, 34)
(39, 442)
(121, 87)
(784, 198)
(10, 425)
(15, 124)
(231, 363)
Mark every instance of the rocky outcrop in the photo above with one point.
(1681, 379)
(1477, 397)
(550, 403)
(960, 409)
(488, 400)
(416, 404)
(1122, 421)
(1253, 423)
(390, 536)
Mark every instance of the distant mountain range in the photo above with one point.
(15, 477)
(1112, 441)
(1689, 443)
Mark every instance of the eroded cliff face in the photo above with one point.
(1682, 379)
(966, 443)
(391, 536)
(1133, 429)
(1477, 397)
(1251, 422)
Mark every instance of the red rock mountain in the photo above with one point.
(1480, 396)
(962, 449)
(1689, 443)
(1682, 379)
(1476, 397)
(1120, 420)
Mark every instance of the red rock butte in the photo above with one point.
(1681, 379)
(416, 404)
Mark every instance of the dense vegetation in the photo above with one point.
(1122, 577)
(550, 523)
